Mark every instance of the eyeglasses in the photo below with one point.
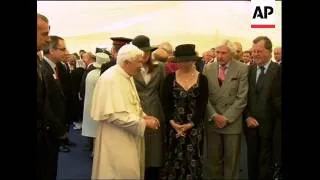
(61, 49)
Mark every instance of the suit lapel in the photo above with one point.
(215, 73)
(138, 77)
(269, 74)
(267, 78)
(230, 74)
(253, 77)
(154, 72)
(51, 73)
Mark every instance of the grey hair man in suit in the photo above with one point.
(263, 110)
(228, 88)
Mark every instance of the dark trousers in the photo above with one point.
(151, 173)
(47, 152)
(260, 156)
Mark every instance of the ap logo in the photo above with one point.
(263, 14)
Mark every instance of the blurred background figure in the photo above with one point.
(89, 126)
(277, 53)
(117, 43)
(247, 57)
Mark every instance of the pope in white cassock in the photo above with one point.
(119, 147)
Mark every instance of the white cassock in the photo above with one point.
(89, 126)
(119, 147)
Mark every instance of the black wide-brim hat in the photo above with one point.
(185, 53)
(143, 43)
(120, 40)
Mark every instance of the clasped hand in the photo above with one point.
(180, 129)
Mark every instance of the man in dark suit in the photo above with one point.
(49, 128)
(261, 112)
(53, 53)
(66, 84)
(117, 43)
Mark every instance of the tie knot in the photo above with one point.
(261, 68)
(223, 67)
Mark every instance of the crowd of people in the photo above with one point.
(158, 112)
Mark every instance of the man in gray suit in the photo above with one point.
(228, 88)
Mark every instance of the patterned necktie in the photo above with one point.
(222, 72)
(259, 83)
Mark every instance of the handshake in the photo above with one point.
(152, 122)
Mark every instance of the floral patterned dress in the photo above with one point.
(183, 154)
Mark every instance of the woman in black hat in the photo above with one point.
(184, 100)
(148, 83)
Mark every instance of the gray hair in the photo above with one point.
(42, 17)
(53, 44)
(229, 45)
(167, 47)
(128, 52)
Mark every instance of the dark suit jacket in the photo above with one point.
(76, 76)
(83, 80)
(265, 105)
(48, 129)
(46, 118)
(66, 84)
(55, 94)
(40, 98)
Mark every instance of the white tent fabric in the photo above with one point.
(88, 24)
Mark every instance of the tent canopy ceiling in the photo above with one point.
(176, 21)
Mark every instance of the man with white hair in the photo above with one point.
(228, 88)
(119, 148)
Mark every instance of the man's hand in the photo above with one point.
(220, 120)
(252, 122)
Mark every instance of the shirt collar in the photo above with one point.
(266, 65)
(52, 64)
(226, 65)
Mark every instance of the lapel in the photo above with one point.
(214, 75)
(230, 74)
(50, 73)
(253, 77)
(268, 75)
(138, 78)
